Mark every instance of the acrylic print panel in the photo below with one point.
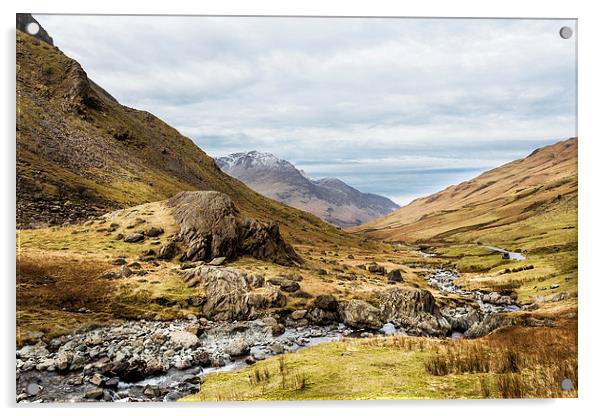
(288, 208)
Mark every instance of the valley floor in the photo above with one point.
(71, 280)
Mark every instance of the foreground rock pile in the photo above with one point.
(113, 362)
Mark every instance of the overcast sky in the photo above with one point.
(399, 107)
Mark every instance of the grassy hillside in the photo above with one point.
(484, 207)
(81, 153)
(529, 206)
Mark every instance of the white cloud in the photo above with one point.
(482, 91)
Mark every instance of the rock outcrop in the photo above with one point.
(229, 293)
(414, 310)
(211, 226)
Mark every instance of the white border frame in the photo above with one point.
(589, 70)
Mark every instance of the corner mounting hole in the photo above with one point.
(32, 28)
(566, 32)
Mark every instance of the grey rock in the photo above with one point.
(168, 251)
(326, 302)
(376, 269)
(395, 276)
(388, 329)
(414, 309)
(154, 231)
(237, 347)
(94, 394)
(184, 339)
(218, 261)
(298, 314)
(360, 314)
(134, 238)
(289, 285)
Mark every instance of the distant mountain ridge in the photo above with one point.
(329, 198)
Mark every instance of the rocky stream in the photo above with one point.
(164, 361)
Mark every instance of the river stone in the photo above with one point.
(112, 383)
(461, 318)
(276, 328)
(133, 238)
(212, 226)
(325, 310)
(97, 379)
(237, 347)
(48, 364)
(33, 351)
(78, 361)
(63, 360)
(360, 314)
(94, 394)
(298, 314)
(184, 339)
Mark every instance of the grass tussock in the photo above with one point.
(520, 365)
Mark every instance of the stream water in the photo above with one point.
(511, 254)
(444, 280)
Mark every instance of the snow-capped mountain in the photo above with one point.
(329, 198)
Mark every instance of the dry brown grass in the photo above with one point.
(524, 362)
(514, 362)
(62, 282)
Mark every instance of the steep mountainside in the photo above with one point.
(329, 198)
(522, 190)
(81, 153)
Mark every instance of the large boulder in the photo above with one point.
(211, 226)
(360, 314)
(414, 310)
